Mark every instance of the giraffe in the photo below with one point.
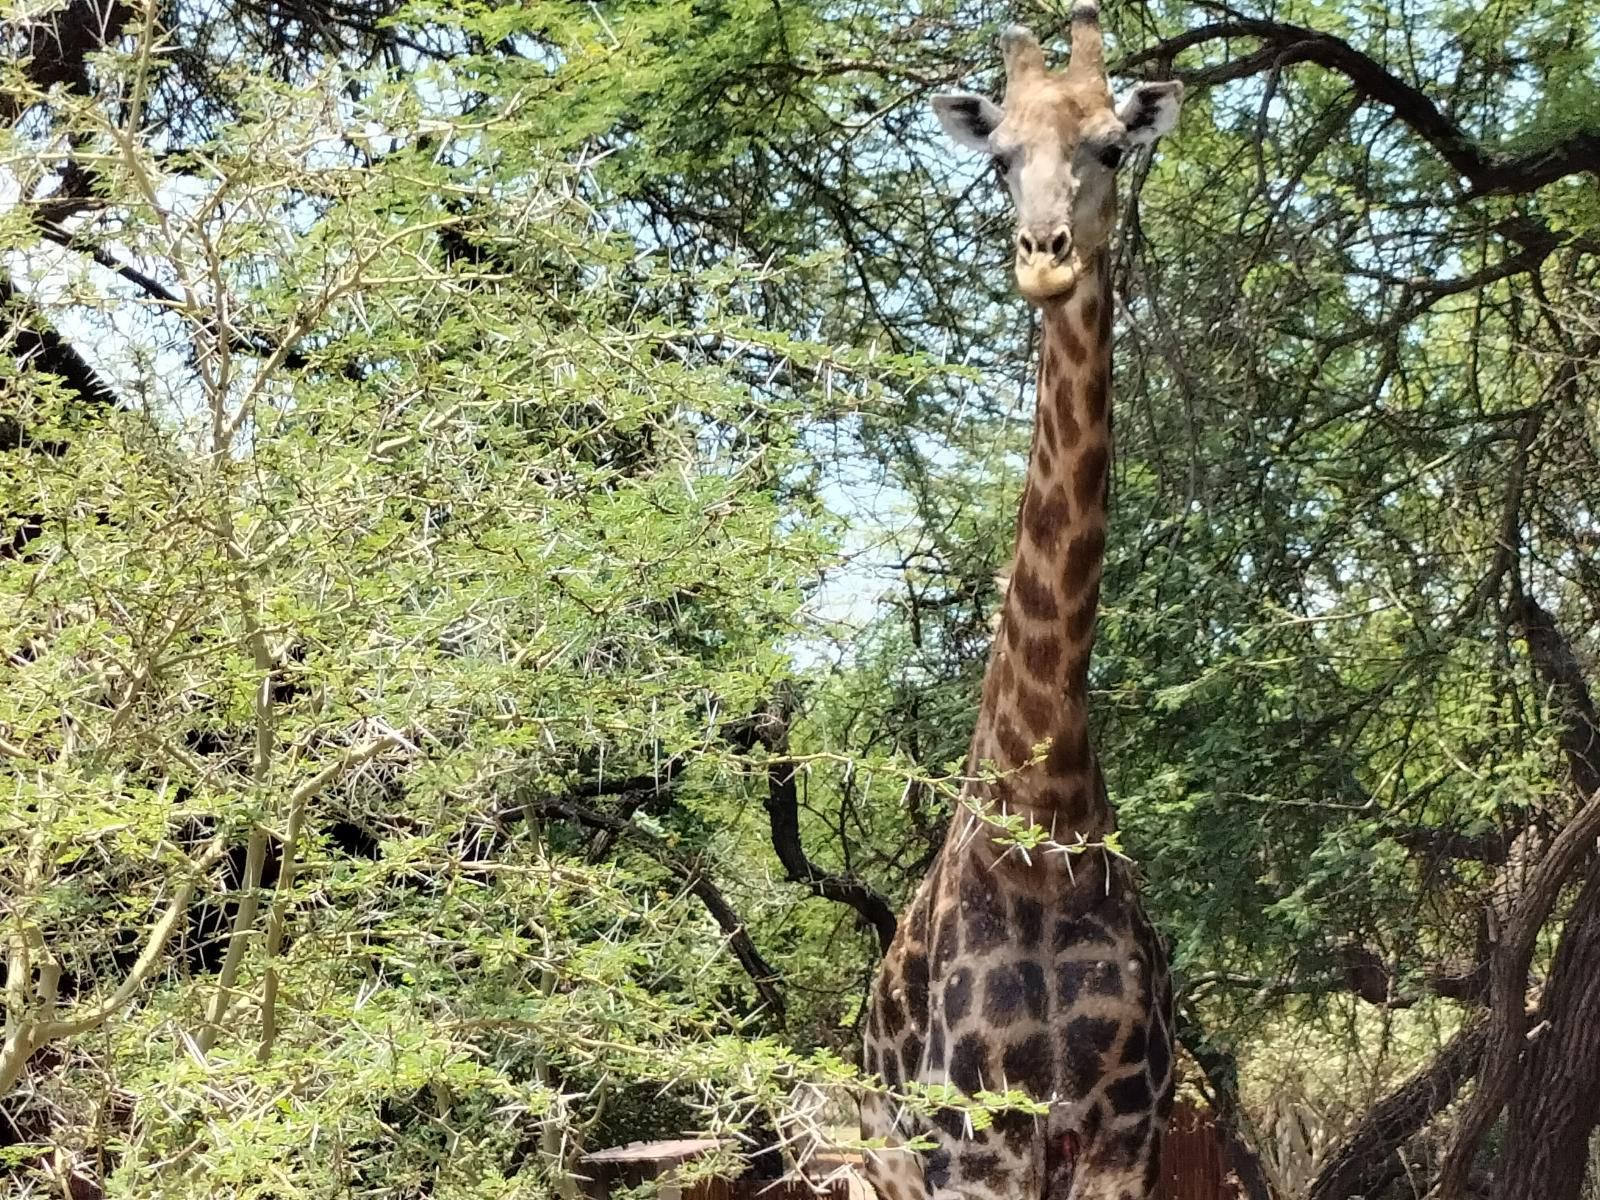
(1038, 971)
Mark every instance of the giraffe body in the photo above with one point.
(1044, 987)
(1038, 971)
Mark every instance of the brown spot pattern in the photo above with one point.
(1029, 915)
(1037, 710)
(1091, 312)
(967, 1063)
(1084, 555)
(1089, 483)
(1087, 1041)
(1014, 748)
(1071, 431)
(1062, 799)
(1027, 1065)
(1130, 1094)
(1041, 656)
(980, 1168)
(1034, 598)
(1079, 931)
(1044, 515)
(957, 996)
(1078, 669)
(983, 916)
(1002, 994)
(1081, 623)
(1069, 752)
(1071, 344)
(1133, 1045)
(911, 1056)
(1097, 397)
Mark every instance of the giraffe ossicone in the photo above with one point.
(1037, 970)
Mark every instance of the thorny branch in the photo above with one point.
(695, 879)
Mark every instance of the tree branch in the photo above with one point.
(694, 878)
(1447, 844)
(299, 799)
(1368, 1160)
(1551, 1111)
(783, 815)
(1558, 666)
(39, 347)
(634, 792)
(1486, 172)
(59, 44)
(27, 1037)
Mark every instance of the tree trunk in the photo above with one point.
(1555, 1107)
(1369, 1159)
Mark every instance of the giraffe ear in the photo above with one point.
(1150, 110)
(968, 119)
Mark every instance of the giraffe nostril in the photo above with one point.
(1059, 244)
(1025, 243)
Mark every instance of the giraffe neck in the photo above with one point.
(1036, 686)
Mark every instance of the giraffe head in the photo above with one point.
(1057, 143)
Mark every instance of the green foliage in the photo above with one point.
(515, 404)
(444, 516)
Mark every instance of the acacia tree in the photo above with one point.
(372, 526)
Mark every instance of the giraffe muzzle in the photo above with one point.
(1043, 276)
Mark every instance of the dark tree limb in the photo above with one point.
(1447, 844)
(54, 50)
(771, 729)
(36, 346)
(1508, 982)
(1369, 1160)
(1368, 976)
(1558, 666)
(1365, 975)
(1486, 172)
(39, 347)
(632, 793)
(1552, 1112)
(151, 287)
(58, 46)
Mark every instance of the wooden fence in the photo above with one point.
(1194, 1158)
